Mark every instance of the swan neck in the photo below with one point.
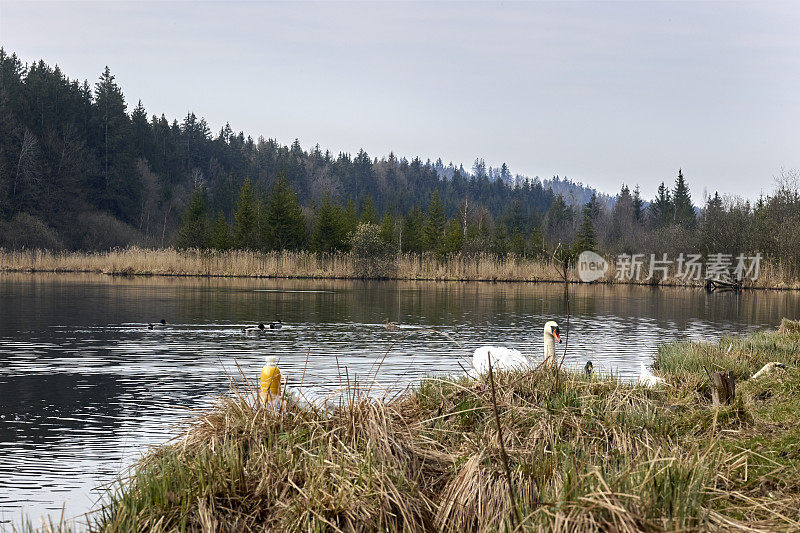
(549, 346)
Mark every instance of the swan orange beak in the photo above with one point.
(555, 334)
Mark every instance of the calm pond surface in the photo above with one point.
(85, 387)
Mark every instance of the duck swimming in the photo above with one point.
(161, 324)
(254, 331)
(276, 325)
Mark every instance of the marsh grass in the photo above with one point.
(585, 454)
(243, 263)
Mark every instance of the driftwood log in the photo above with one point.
(723, 387)
(720, 285)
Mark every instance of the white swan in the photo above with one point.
(647, 378)
(510, 359)
(768, 368)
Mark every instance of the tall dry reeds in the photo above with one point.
(244, 263)
(272, 264)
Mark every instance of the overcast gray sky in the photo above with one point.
(603, 93)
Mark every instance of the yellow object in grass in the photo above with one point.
(270, 380)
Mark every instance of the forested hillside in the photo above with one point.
(82, 169)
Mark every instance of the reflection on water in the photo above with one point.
(85, 387)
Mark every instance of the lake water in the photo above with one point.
(85, 387)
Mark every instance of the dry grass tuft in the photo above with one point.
(789, 326)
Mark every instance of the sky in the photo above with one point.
(604, 92)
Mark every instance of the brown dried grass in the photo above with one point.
(244, 263)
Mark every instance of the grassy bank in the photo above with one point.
(588, 454)
(241, 263)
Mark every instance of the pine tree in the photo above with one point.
(387, 233)
(514, 217)
(713, 224)
(638, 205)
(435, 223)
(558, 221)
(623, 220)
(453, 238)
(330, 228)
(368, 215)
(245, 230)
(500, 240)
(587, 237)
(413, 234)
(140, 131)
(505, 174)
(516, 244)
(683, 214)
(194, 230)
(595, 209)
(220, 234)
(661, 210)
(118, 189)
(285, 224)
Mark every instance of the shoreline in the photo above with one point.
(485, 268)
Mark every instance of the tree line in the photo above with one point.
(78, 170)
(671, 223)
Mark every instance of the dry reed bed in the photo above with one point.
(243, 263)
(584, 454)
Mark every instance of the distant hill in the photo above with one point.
(574, 193)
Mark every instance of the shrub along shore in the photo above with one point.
(340, 265)
(580, 453)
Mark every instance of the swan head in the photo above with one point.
(551, 332)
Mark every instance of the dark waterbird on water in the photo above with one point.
(254, 331)
(162, 323)
(261, 328)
